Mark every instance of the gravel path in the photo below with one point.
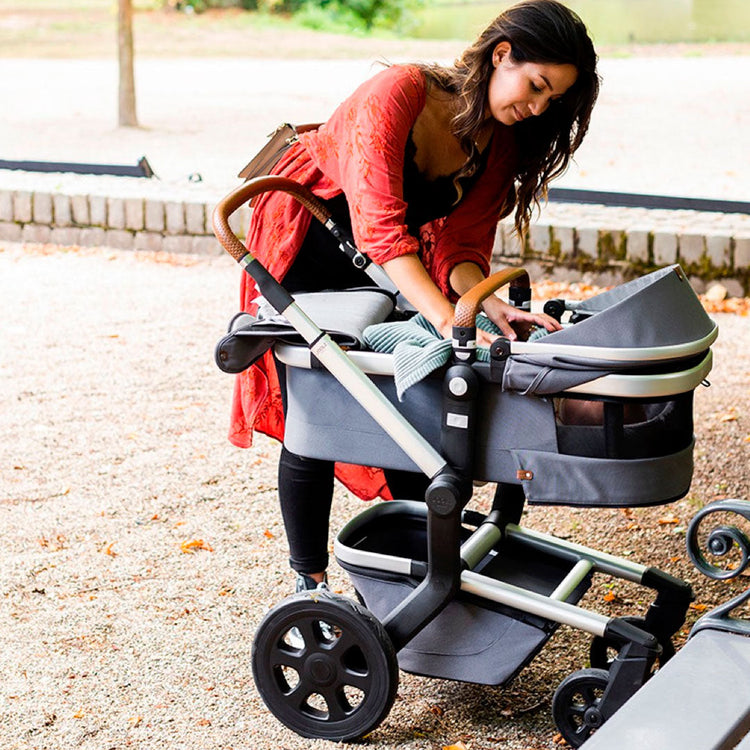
(140, 549)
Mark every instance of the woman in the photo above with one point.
(421, 161)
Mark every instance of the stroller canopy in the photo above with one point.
(652, 320)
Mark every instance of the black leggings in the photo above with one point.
(306, 484)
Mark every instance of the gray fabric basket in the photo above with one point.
(472, 639)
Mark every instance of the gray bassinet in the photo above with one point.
(645, 342)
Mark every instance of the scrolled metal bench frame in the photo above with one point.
(720, 542)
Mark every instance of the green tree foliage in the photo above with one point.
(355, 14)
(319, 14)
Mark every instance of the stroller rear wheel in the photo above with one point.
(325, 666)
(575, 705)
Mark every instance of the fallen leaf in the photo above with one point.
(134, 721)
(728, 417)
(610, 596)
(269, 534)
(699, 607)
(109, 551)
(190, 546)
(79, 714)
(665, 520)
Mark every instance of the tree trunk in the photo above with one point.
(127, 116)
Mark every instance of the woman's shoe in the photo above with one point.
(306, 583)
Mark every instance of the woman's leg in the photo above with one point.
(305, 495)
(306, 485)
(406, 485)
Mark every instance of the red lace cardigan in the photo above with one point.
(360, 151)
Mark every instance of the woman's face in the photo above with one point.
(518, 90)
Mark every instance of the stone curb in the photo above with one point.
(596, 243)
(124, 223)
(605, 245)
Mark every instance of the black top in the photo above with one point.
(427, 199)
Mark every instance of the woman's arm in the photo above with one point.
(411, 278)
(413, 281)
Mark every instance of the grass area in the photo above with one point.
(88, 29)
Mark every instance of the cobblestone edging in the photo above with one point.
(600, 244)
(607, 244)
(126, 223)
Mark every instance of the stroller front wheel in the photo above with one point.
(324, 666)
(575, 705)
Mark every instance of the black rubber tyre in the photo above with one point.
(603, 651)
(575, 705)
(325, 666)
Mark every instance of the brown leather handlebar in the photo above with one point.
(243, 194)
(468, 305)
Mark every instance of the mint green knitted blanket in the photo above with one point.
(417, 348)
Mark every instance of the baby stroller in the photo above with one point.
(443, 590)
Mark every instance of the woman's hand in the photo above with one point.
(515, 323)
(413, 281)
(512, 322)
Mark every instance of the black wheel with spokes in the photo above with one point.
(603, 651)
(325, 666)
(575, 705)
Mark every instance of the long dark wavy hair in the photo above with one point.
(538, 31)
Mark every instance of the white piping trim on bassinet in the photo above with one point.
(648, 386)
(614, 385)
(616, 354)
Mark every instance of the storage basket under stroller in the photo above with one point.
(384, 551)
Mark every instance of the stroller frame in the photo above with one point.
(584, 700)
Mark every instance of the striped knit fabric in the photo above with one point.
(417, 348)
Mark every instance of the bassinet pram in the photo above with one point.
(454, 593)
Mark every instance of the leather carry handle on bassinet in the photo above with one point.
(468, 305)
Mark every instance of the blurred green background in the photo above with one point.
(610, 21)
(84, 28)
